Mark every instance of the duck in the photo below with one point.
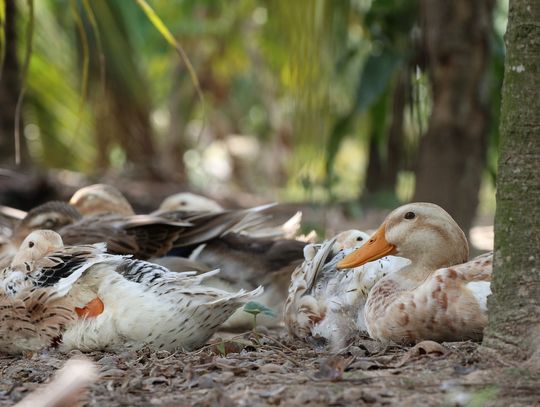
(99, 199)
(440, 295)
(188, 201)
(142, 236)
(326, 307)
(81, 297)
(228, 242)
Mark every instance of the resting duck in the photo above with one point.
(246, 261)
(143, 236)
(328, 306)
(439, 295)
(80, 297)
(101, 199)
(186, 201)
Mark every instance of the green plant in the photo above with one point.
(255, 308)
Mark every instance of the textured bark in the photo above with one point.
(514, 306)
(452, 153)
(10, 88)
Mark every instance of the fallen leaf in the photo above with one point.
(422, 348)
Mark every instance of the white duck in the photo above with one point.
(324, 303)
(438, 296)
(83, 298)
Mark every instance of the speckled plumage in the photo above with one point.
(143, 303)
(329, 304)
(439, 296)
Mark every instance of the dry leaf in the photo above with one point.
(422, 348)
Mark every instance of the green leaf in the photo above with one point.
(255, 308)
(167, 35)
(220, 347)
(376, 78)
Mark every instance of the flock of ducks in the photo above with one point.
(90, 274)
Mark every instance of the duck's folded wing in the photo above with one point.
(143, 236)
(211, 225)
(159, 277)
(245, 258)
(61, 269)
(446, 307)
(303, 310)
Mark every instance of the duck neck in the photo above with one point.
(419, 270)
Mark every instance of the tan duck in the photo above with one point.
(101, 199)
(439, 296)
(80, 297)
(186, 201)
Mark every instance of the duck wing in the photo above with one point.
(143, 236)
(57, 271)
(255, 260)
(450, 305)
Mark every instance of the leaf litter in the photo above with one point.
(266, 368)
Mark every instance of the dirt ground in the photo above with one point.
(260, 369)
(268, 368)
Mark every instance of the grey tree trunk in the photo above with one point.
(452, 153)
(514, 306)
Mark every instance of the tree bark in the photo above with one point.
(514, 306)
(10, 88)
(453, 152)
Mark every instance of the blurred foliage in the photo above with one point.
(293, 91)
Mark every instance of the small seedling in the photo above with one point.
(255, 308)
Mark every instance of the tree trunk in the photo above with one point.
(514, 306)
(453, 152)
(10, 88)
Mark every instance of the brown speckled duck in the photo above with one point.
(440, 295)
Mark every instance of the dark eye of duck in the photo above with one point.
(410, 215)
(359, 238)
(30, 244)
(183, 203)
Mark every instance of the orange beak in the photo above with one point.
(374, 249)
(92, 309)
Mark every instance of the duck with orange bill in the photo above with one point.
(81, 297)
(440, 295)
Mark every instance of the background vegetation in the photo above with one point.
(310, 100)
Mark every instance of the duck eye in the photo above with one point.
(359, 238)
(183, 203)
(30, 244)
(410, 215)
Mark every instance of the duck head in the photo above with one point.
(101, 198)
(349, 239)
(51, 215)
(36, 245)
(421, 232)
(186, 201)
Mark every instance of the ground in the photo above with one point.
(271, 369)
(260, 369)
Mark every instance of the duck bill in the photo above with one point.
(374, 249)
